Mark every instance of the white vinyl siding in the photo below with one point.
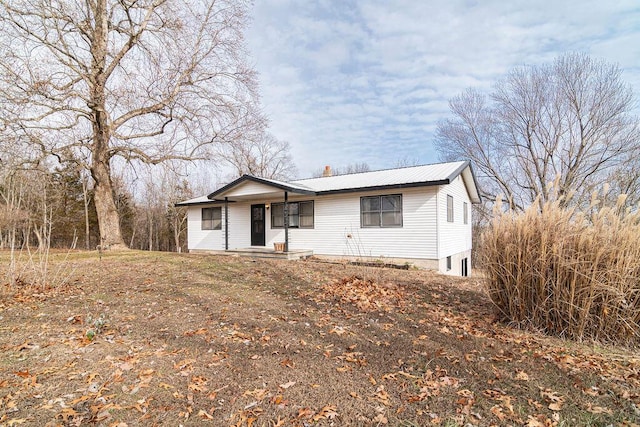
(453, 237)
(336, 217)
(240, 224)
(200, 239)
(336, 231)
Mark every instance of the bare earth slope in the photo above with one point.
(142, 339)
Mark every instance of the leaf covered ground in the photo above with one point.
(143, 339)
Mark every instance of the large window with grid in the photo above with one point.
(381, 211)
(212, 218)
(300, 214)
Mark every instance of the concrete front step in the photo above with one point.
(270, 253)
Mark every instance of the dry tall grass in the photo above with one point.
(565, 273)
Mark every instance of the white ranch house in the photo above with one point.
(419, 214)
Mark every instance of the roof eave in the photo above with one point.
(385, 187)
(204, 202)
(475, 198)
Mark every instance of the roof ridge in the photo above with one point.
(377, 170)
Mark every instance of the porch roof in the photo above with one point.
(266, 188)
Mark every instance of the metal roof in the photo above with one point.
(436, 174)
(414, 176)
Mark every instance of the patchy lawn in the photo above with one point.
(140, 338)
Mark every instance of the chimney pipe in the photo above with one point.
(327, 171)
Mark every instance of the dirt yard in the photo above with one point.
(145, 339)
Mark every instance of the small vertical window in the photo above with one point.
(448, 263)
(449, 208)
(277, 215)
(465, 212)
(305, 212)
(370, 211)
(212, 218)
(294, 219)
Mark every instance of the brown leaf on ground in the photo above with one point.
(365, 294)
(327, 412)
(287, 385)
(380, 419)
(598, 409)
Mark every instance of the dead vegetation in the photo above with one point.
(365, 294)
(567, 274)
(223, 341)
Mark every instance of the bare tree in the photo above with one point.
(260, 154)
(568, 122)
(146, 81)
(406, 161)
(357, 167)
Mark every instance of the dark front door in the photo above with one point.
(257, 225)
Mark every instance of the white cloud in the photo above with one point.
(356, 81)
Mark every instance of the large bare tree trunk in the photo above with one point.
(108, 218)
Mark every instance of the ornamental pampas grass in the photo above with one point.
(565, 273)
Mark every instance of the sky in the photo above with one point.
(347, 81)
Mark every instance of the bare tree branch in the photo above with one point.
(568, 122)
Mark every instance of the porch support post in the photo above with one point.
(226, 224)
(286, 221)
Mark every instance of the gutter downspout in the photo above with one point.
(438, 227)
(286, 221)
(226, 223)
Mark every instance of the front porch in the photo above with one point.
(264, 252)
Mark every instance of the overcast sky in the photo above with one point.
(349, 81)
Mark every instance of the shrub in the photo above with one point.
(566, 273)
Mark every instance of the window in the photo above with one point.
(448, 263)
(277, 215)
(305, 214)
(449, 208)
(381, 211)
(212, 218)
(300, 215)
(465, 212)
